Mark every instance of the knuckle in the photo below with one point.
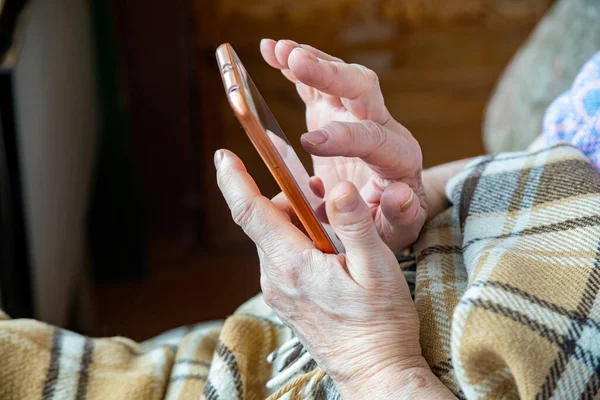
(312, 264)
(243, 211)
(359, 230)
(333, 76)
(376, 131)
(335, 69)
(356, 131)
(308, 256)
(371, 77)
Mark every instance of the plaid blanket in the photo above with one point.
(507, 282)
(506, 285)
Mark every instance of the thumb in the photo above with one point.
(350, 217)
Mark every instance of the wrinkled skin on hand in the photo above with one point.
(354, 138)
(352, 311)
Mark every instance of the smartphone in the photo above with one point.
(275, 150)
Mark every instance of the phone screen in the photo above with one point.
(286, 152)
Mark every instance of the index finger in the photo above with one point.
(393, 155)
(260, 219)
(356, 85)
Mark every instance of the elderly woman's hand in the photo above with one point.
(353, 312)
(354, 138)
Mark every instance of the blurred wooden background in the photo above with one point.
(437, 61)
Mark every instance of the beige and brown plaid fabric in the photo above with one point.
(506, 288)
(507, 282)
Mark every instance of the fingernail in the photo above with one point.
(407, 205)
(307, 54)
(218, 158)
(315, 138)
(347, 202)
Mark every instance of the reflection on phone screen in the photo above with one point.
(286, 152)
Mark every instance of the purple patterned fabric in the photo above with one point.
(574, 117)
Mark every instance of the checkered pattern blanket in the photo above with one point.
(506, 285)
(507, 281)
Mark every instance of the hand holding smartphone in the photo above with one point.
(275, 150)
